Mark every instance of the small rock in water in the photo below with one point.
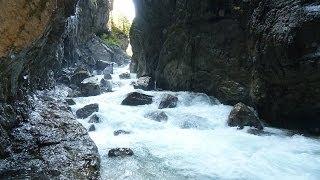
(125, 76)
(119, 132)
(242, 115)
(135, 99)
(106, 85)
(120, 152)
(157, 116)
(194, 122)
(145, 83)
(70, 102)
(168, 101)
(92, 128)
(108, 69)
(107, 76)
(101, 65)
(258, 132)
(94, 119)
(87, 110)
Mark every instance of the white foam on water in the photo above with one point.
(207, 149)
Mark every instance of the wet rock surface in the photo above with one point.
(135, 99)
(87, 110)
(79, 76)
(101, 65)
(90, 89)
(125, 76)
(157, 116)
(120, 152)
(242, 115)
(145, 83)
(92, 128)
(168, 101)
(94, 119)
(107, 76)
(263, 53)
(70, 102)
(105, 85)
(46, 144)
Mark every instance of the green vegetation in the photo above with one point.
(120, 28)
(110, 39)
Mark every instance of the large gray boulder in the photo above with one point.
(242, 115)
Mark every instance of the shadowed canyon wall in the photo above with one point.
(265, 53)
(39, 136)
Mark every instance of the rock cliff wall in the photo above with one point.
(262, 52)
(39, 38)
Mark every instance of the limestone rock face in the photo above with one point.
(264, 53)
(23, 22)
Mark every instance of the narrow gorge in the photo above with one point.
(213, 89)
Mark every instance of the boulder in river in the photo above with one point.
(101, 65)
(92, 128)
(107, 76)
(119, 132)
(125, 75)
(74, 93)
(105, 85)
(94, 119)
(168, 101)
(79, 76)
(87, 110)
(145, 83)
(108, 69)
(135, 99)
(157, 116)
(70, 102)
(242, 115)
(90, 87)
(120, 152)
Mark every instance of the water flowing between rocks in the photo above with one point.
(194, 143)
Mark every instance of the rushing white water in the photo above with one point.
(207, 150)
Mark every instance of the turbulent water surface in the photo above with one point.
(205, 149)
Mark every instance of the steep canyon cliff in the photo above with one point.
(264, 53)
